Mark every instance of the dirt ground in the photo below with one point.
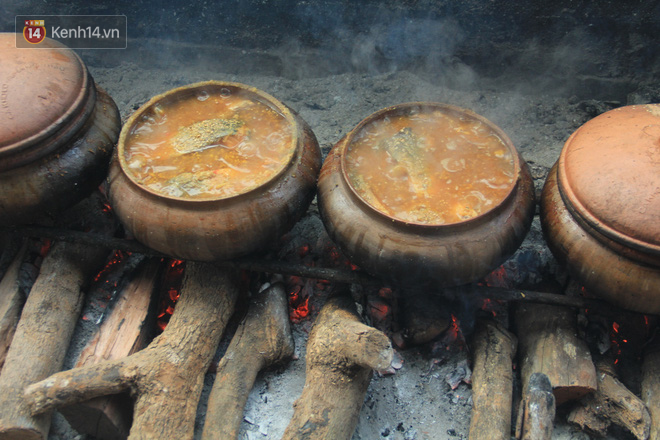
(538, 114)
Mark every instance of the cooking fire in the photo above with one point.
(399, 221)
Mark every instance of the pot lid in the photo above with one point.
(609, 176)
(41, 90)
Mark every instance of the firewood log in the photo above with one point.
(165, 378)
(43, 334)
(492, 381)
(537, 410)
(341, 354)
(549, 344)
(262, 339)
(611, 403)
(11, 303)
(126, 330)
(651, 386)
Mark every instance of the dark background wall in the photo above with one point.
(607, 39)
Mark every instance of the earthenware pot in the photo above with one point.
(57, 131)
(171, 217)
(601, 207)
(445, 158)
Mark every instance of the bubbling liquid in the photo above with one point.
(211, 146)
(430, 166)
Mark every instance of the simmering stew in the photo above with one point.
(431, 166)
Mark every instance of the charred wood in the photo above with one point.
(125, 331)
(341, 354)
(492, 381)
(262, 339)
(165, 378)
(537, 410)
(43, 334)
(549, 343)
(651, 385)
(11, 303)
(611, 403)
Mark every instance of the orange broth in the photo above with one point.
(210, 146)
(430, 167)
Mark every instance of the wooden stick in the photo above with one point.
(341, 354)
(651, 386)
(125, 331)
(262, 339)
(11, 303)
(537, 410)
(549, 344)
(492, 382)
(166, 378)
(43, 334)
(611, 403)
(334, 275)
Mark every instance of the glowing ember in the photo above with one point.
(116, 258)
(171, 290)
(45, 247)
(299, 293)
(490, 306)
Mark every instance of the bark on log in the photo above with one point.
(341, 354)
(651, 386)
(611, 403)
(165, 378)
(43, 334)
(549, 344)
(11, 303)
(125, 331)
(492, 382)
(537, 410)
(262, 339)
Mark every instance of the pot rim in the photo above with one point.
(264, 97)
(587, 219)
(486, 215)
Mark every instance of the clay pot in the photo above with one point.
(601, 207)
(215, 227)
(424, 246)
(57, 131)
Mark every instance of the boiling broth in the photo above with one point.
(210, 146)
(430, 166)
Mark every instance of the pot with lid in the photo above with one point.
(213, 170)
(57, 130)
(601, 207)
(426, 193)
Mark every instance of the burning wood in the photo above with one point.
(262, 339)
(492, 381)
(126, 331)
(341, 354)
(43, 334)
(537, 410)
(166, 378)
(424, 318)
(549, 344)
(611, 403)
